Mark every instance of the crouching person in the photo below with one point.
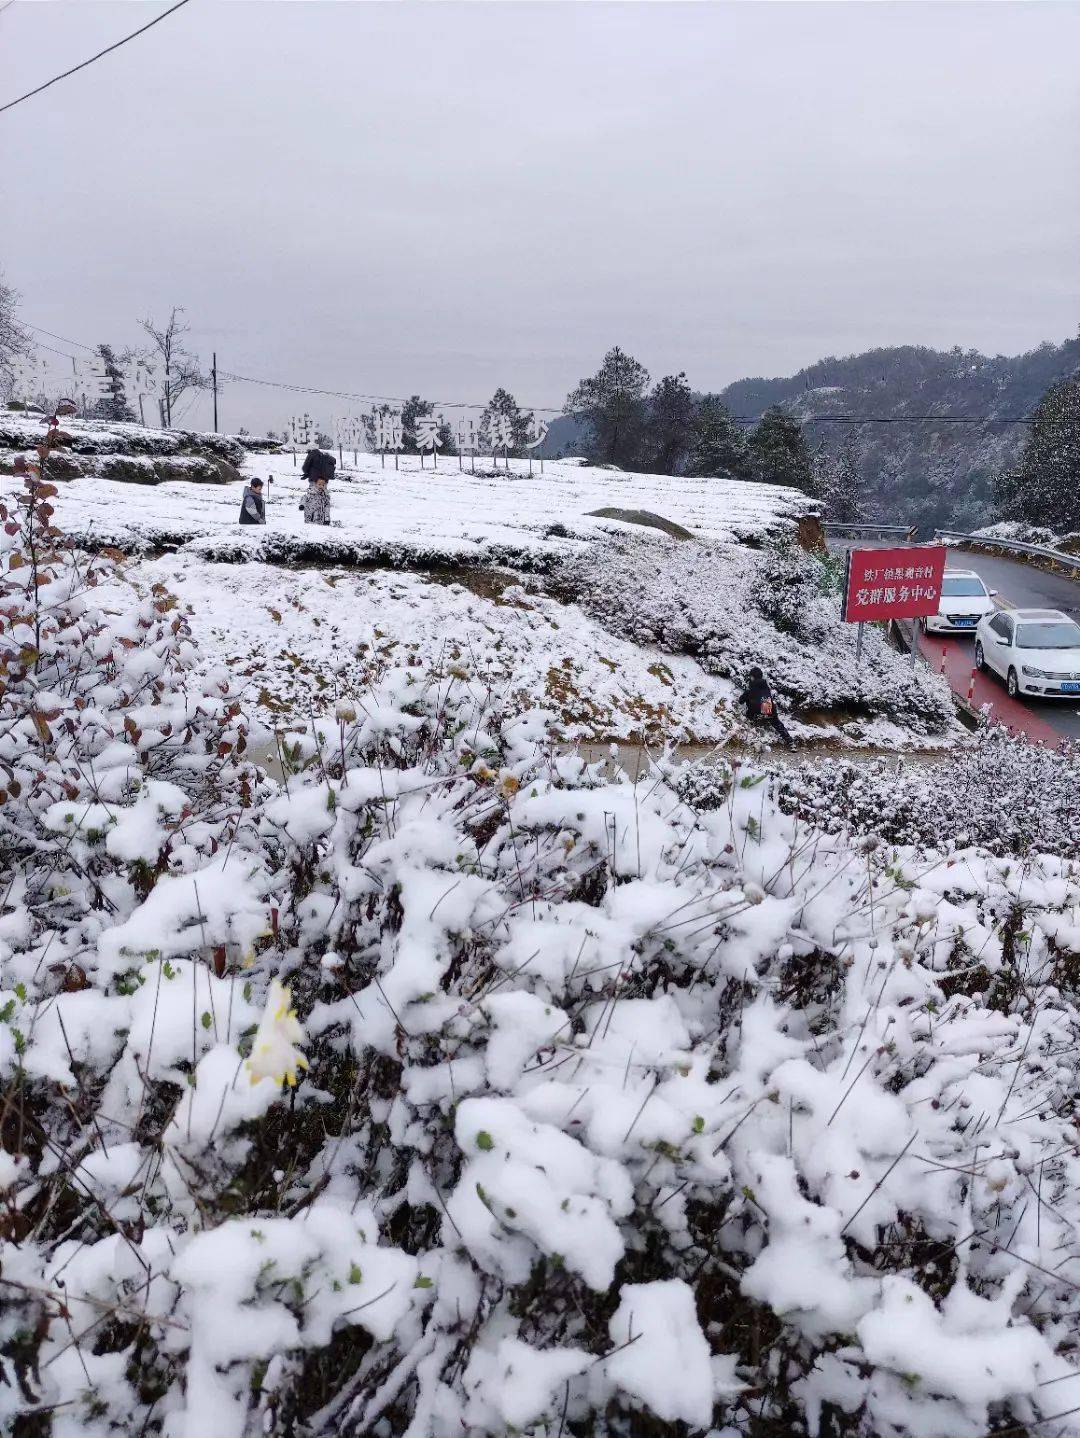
(316, 503)
(253, 505)
(761, 706)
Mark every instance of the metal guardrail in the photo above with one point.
(1069, 562)
(901, 531)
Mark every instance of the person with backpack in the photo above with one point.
(317, 462)
(316, 503)
(761, 706)
(253, 505)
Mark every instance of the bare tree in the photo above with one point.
(14, 340)
(179, 368)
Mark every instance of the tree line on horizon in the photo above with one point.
(630, 423)
(666, 428)
(669, 429)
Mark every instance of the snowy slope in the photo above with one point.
(447, 513)
(448, 1087)
(624, 632)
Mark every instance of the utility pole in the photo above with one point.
(213, 372)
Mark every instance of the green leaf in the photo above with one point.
(485, 1141)
(7, 1012)
(422, 1281)
(206, 1020)
(699, 1123)
(355, 1276)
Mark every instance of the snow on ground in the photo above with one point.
(652, 636)
(303, 638)
(1029, 534)
(446, 513)
(446, 1086)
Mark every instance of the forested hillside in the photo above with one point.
(926, 473)
(922, 472)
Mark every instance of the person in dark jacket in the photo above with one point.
(318, 464)
(761, 706)
(253, 506)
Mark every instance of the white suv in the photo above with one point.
(964, 601)
(1036, 651)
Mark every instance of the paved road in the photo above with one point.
(1022, 586)
(1044, 723)
(1019, 586)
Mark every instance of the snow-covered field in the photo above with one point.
(442, 513)
(300, 639)
(447, 1086)
(620, 630)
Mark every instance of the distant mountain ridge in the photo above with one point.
(920, 472)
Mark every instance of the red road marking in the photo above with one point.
(981, 689)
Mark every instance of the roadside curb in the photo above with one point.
(968, 715)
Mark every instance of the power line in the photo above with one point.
(740, 418)
(378, 398)
(65, 338)
(906, 419)
(54, 351)
(107, 51)
(559, 410)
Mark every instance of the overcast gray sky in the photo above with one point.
(447, 197)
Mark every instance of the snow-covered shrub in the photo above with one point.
(101, 437)
(1001, 792)
(703, 783)
(620, 1116)
(732, 608)
(146, 469)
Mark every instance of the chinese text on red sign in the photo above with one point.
(893, 583)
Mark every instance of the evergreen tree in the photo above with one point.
(414, 409)
(504, 405)
(778, 452)
(1044, 488)
(612, 404)
(842, 484)
(114, 405)
(718, 442)
(670, 424)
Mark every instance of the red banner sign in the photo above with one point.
(893, 583)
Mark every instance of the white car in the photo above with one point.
(964, 601)
(1036, 651)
